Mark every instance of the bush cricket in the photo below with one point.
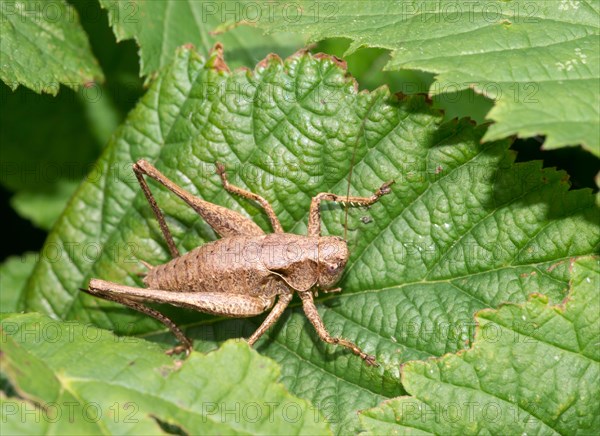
(244, 272)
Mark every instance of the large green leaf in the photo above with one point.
(539, 59)
(463, 229)
(43, 45)
(159, 27)
(136, 389)
(534, 368)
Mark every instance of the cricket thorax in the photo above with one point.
(333, 256)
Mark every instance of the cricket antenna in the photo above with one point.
(352, 162)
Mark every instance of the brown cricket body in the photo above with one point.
(244, 273)
(259, 266)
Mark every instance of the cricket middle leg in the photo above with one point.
(272, 318)
(224, 221)
(252, 196)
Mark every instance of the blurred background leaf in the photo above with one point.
(14, 273)
(159, 27)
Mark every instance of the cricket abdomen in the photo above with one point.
(231, 265)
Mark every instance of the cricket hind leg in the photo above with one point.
(224, 221)
(216, 303)
(252, 196)
(185, 345)
(160, 217)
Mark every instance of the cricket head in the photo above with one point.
(333, 256)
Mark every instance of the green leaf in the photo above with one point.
(14, 273)
(159, 27)
(534, 368)
(136, 389)
(463, 229)
(538, 59)
(366, 65)
(43, 45)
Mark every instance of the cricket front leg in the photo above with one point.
(314, 215)
(313, 316)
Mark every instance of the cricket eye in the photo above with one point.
(333, 268)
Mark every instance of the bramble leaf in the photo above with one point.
(534, 368)
(43, 45)
(538, 59)
(64, 388)
(465, 228)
